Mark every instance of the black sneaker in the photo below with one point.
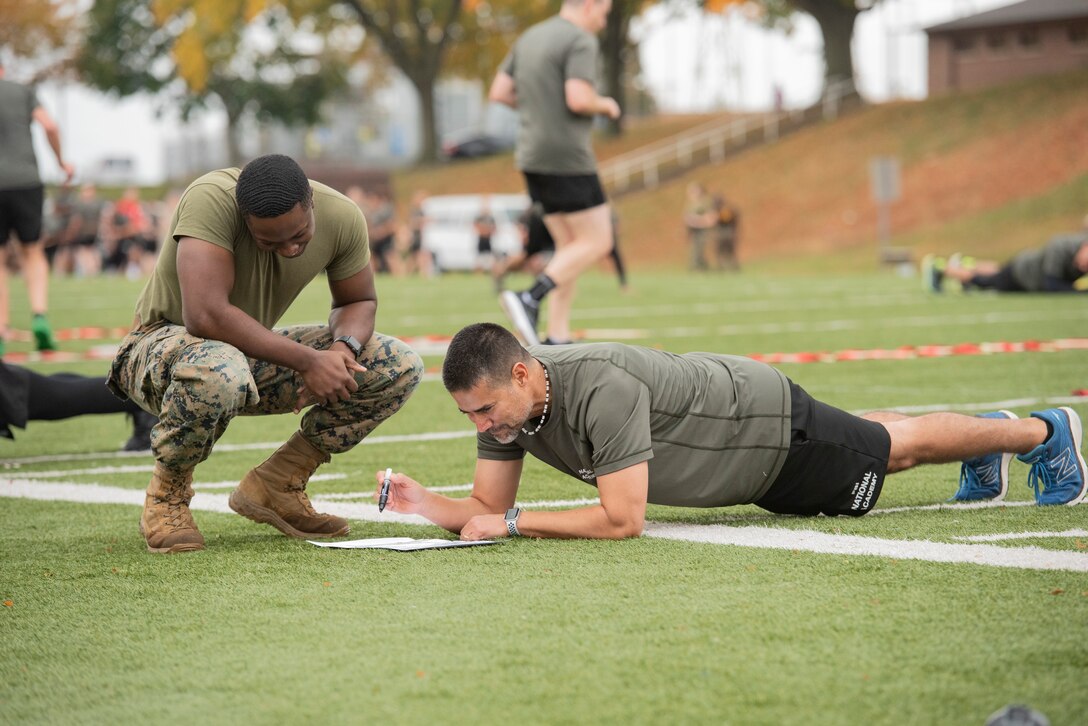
(522, 311)
(142, 423)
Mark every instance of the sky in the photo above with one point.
(690, 63)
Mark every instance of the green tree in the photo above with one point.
(836, 19)
(44, 30)
(197, 50)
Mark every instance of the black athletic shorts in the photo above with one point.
(21, 212)
(1002, 281)
(836, 463)
(483, 245)
(565, 193)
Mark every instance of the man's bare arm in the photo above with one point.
(52, 135)
(354, 305)
(582, 98)
(503, 90)
(206, 275)
(495, 485)
(621, 513)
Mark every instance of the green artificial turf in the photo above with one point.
(262, 629)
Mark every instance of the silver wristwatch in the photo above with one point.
(511, 518)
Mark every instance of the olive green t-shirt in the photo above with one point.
(18, 164)
(551, 138)
(1055, 260)
(713, 429)
(265, 284)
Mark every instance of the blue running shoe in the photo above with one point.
(985, 477)
(1058, 473)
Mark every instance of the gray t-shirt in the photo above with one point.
(551, 138)
(714, 429)
(18, 164)
(1055, 260)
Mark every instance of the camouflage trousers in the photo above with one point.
(196, 386)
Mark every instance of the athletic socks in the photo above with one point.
(541, 287)
(43, 333)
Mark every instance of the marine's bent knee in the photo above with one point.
(217, 377)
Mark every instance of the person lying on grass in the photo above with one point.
(702, 430)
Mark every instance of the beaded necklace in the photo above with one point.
(547, 400)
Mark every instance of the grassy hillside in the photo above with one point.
(987, 173)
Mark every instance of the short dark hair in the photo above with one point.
(271, 186)
(482, 351)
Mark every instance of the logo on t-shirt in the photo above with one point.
(863, 491)
(586, 474)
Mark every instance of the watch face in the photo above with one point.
(512, 513)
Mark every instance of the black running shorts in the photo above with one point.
(1003, 281)
(565, 194)
(21, 212)
(836, 463)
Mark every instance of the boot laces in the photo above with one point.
(178, 515)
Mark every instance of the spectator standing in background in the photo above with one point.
(382, 226)
(700, 220)
(21, 199)
(419, 259)
(87, 213)
(484, 227)
(726, 232)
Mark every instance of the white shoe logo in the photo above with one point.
(1066, 467)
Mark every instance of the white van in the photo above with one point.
(450, 237)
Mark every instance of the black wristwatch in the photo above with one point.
(511, 518)
(351, 342)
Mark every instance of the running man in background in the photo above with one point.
(22, 197)
(548, 77)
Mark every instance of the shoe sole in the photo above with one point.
(1078, 435)
(263, 515)
(183, 547)
(514, 310)
(1006, 459)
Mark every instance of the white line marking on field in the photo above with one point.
(264, 445)
(1032, 558)
(1023, 535)
(984, 504)
(559, 503)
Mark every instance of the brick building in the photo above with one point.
(1030, 38)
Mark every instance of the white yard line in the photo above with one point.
(1023, 535)
(1031, 558)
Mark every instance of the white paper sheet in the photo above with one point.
(400, 544)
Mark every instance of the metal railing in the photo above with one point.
(644, 167)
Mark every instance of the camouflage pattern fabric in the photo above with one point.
(196, 386)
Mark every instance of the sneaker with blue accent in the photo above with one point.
(1058, 474)
(985, 477)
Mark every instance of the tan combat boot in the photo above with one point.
(166, 522)
(275, 493)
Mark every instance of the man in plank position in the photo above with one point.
(702, 430)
